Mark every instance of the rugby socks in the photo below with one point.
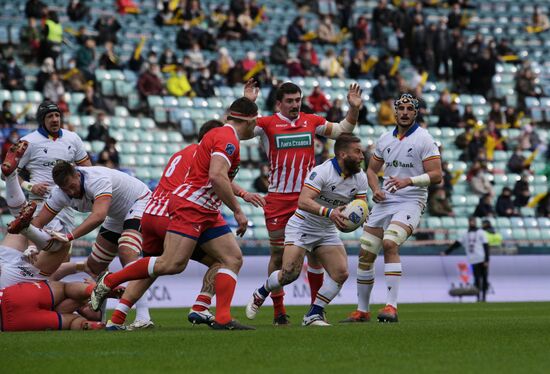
(278, 302)
(142, 309)
(41, 239)
(365, 283)
(15, 197)
(272, 283)
(121, 311)
(203, 302)
(325, 295)
(140, 269)
(226, 281)
(392, 273)
(315, 279)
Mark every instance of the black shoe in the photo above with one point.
(282, 320)
(231, 325)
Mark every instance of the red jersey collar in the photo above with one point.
(232, 128)
(292, 122)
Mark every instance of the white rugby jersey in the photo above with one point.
(473, 241)
(334, 190)
(403, 158)
(43, 152)
(96, 182)
(15, 269)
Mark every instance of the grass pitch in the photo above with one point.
(436, 338)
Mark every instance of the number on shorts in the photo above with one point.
(172, 166)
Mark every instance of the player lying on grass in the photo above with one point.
(313, 228)
(412, 162)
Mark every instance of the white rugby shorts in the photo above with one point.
(299, 234)
(407, 213)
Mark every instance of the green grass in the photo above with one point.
(439, 338)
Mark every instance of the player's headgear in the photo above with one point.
(243, 109)
(407, 99)
(46, 107)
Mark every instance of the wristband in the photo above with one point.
(26, 186)
(70, 236)
(242, 193)
(325, 212)
(422, 180)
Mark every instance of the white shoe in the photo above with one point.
(196, 318)
(315, 320)
(100, 292)
(140, 325)
(254, 304)
(110, 326)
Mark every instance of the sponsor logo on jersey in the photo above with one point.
(400, 164)
(25, 272)
(299, 140)
(230, 149)
(334, 202)
(312, 176)
(409, 152)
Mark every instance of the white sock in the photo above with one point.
(14, 194)
(392, 273)
(142, 309)
(41, 239)
(328, 291)
(365, 283)
(272, 283)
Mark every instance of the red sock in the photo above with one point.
(202, 303)
(121, 310)
(278, 303)
(137, 270)
(315, 279)
(226, 281)
(89, 289)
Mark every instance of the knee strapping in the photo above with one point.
(102, 254)
(396, 234)
(131, 240)
(370, 243)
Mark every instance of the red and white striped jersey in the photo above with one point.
(174, 175)
(290, 148)
(197, 188)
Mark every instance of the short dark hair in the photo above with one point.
(61, 171)
(287, 88)
(242, 107)
(343, 142)
(207, 126)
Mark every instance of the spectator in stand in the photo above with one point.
(186, 36)
(110, 148)
(46, 70)
(526, 87)
(196, 57)
(52, 37)
(54, 89)
(539, 21)
(103, 159)
(168, 60)
(261, 183)
(479, 180)
(505, 206)
(521, 192)
(469, 119)
(150, 83)
(485, 207)
(193, 11)
(335, 113)
(360, 34)
(178, 84)
(85, 59)
(516, 163)
(11, 75)
(247, 23)
(511, 117)
(204, 84)
(455, 17)
(308, 59)
(29, 41)
(330, 66)
(495, 114)
(325, 31)
(543, 207)
(92, 103)
(35, 9)
(12, 139)
(107, 27)
(73, 78)
(224, 63)
(386, 114)
(278, 54)
(439, 204)
(381, 17)
(109, 60)
(475, 145)
(529, 139)
(449, 117)
(99, 130)
(77, 10)
(441, 48)
(127, 7)
(381, 90)
(7, 118)
(231, 29)
(297, 30)
(249, 62)
(318, 100)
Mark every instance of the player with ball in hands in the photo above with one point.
(314, 227)
(412, 163)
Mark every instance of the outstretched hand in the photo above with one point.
(251, 89)
(354, 96)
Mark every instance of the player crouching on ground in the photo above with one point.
(412, 162)
(313, 228)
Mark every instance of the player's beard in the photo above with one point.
(351, 166)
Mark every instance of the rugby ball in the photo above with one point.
(356, 212)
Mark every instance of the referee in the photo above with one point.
(476, 246)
